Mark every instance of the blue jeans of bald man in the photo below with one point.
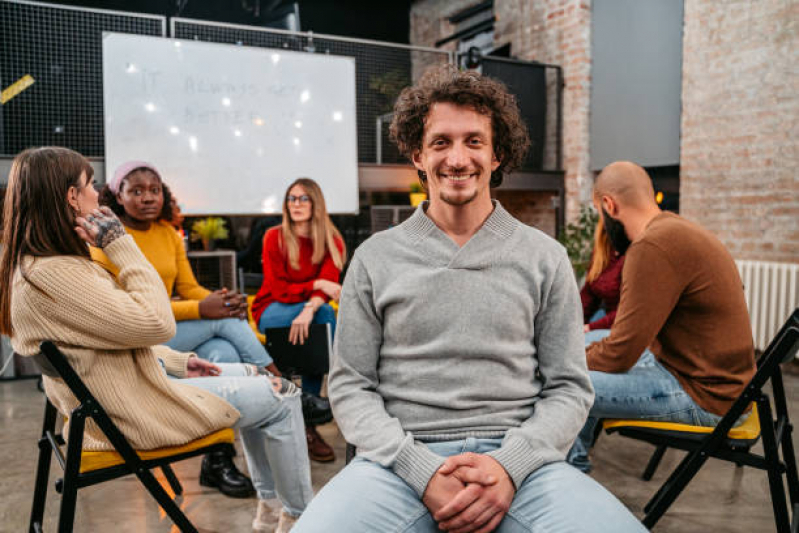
(366, 498)
(647, 391)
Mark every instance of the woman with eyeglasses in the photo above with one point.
(302, 262)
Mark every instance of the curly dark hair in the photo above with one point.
(466, 88)
(107, 197)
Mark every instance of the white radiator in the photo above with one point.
(772, 293)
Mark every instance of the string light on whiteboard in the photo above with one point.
(174, 130)
(275, 59)
(237, 133)
(226, 101)
(338, 116)
(296, 141)
(258, 121)
(298, 124)
(270, 204)
(131, 68)
(305, 96)
(149, 107)
(193, 143)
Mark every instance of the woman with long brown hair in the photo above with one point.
(602, 290)
(111, 330)
(302, 262)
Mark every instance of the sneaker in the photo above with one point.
(266, 516)
(318, 449)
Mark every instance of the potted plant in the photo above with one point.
(207, 230)
(578, 239)
(418, 194)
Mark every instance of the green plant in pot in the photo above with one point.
(208, 230)
(418, 194)
(578, 239)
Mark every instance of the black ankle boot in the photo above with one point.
(218, 470)
(315, 410)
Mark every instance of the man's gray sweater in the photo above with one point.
(436, 342)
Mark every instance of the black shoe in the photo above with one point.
(218, 470)
(315, 410)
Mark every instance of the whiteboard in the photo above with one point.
(230, 127)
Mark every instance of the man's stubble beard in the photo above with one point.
(456, 201)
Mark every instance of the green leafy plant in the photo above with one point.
(578, 239)
(208, 230)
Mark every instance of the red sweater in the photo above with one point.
(606, 288)
(286, 285)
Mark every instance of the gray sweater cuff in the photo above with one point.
(416, 464)
(519, 460)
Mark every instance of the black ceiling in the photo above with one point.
(386, 20)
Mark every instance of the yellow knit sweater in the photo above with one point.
(109, 329)
(162, 246)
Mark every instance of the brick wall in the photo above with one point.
(550, 31)
(557, 32)
(533, 208)
(740, 124)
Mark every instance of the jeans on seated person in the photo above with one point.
(272, 432)
(366, 497)
(646, 391)
(227, 340)
(280, 315)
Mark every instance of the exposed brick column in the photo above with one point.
(558, 32)
(739, 173)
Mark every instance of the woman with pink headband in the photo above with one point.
(211, 324)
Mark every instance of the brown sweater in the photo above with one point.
(108, 330)
(682, 296)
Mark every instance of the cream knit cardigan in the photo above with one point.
(109, 330)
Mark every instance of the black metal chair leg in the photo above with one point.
(790, 464)
(167, 504)
(173, 480)
(653, 463)
(69, 495)
(772, 455)
(672, 488)
(42, 470)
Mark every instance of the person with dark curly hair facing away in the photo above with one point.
(111, 330)
(211, 324)
(459, 369)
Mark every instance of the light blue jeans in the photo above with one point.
(646, 391)
(280, 315)
(227, 340)
(366, 497)
(272, 432)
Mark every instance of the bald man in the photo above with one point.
(681, 348)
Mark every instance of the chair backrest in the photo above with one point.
(781, 349)
(89, 406)
(790, 353)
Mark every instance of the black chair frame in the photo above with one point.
(775, 433)
(51, 442)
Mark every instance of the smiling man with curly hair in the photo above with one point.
(459, 370)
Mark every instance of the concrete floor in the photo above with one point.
(720, 498)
